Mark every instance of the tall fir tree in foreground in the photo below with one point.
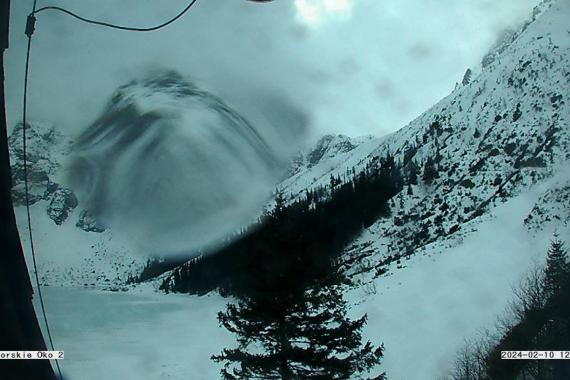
(290, 319)
(298, 335)
(557, 267)
(557, 289)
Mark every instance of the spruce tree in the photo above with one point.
(557, 267)
(430, 171)
(412, 173)
(297, 333)
(280, 204)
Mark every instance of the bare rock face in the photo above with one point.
(467, 77)
(46, 148)
(87, 222)
(37, 184)
(329, 146)
(63, 201)
(40, 163)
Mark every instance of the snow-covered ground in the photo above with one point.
(422, 312)
(69, 256)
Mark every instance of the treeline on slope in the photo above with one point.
(156, 266)
(539, 320)
(318, 225)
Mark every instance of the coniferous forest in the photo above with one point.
(315, 227)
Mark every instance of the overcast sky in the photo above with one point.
(353, 66)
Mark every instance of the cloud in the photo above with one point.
(241, 51)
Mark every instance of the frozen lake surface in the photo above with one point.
(108, 335)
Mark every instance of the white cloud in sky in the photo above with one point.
(369, 67)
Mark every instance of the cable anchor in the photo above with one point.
(30, 25)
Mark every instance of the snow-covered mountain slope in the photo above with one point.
(166, 169)
(492, 138)
(331, 150)
(489, 140)
(71, 247)
(164, 162)
(500, 144)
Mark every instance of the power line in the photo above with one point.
(29, 31)
(30, 28)
(120, 27)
